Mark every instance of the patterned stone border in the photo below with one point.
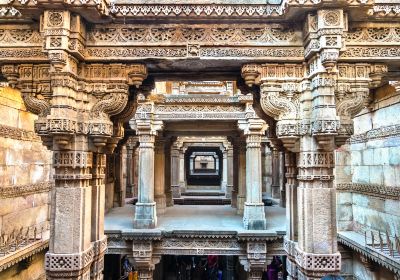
(378, 133)
(18, 133)
(21, 190)
(382, 191)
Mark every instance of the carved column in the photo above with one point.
(175, 162)
(275, 172)
(120, 176)
(235, 170)
(282, 191)
(254, 215)
(224, 181)
(143, 259)
(182, 168)
(167, 170)
(130, 166)
(241, 196)
(159, 176)
(145, 211)
(255, 260)
(98, 199)
(229, 186)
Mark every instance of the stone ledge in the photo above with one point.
(22, 190)
(356, 242)
(377, 133)
(23, 253)
(18, 133)
(387, 192)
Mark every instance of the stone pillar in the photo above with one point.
(145, 211)
(129, 170)
(167, 170)
(281, 193)
(291, 197)
(136, 173)
(275, 172)
(182, 168)
(120, 177)
(98, 237)
(70, 247)
(159, 176)
(175, 169)
(235, 170)
(254, 215)
(143, 259)
(224, 181)
(241, 197)
(229, 186)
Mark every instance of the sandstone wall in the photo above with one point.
(25, 176)
(368, 175)
(371, 163)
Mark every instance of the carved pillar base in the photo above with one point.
(69, 266)
(145, 215)
(182, 187)
(161, 203)
(99, 249)
(254, 216)
(176, 191)
(240, 203)
(314, 266)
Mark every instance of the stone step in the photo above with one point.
(202, 200)
(203, 193)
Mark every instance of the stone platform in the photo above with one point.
(195, 229)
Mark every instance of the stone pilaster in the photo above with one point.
(159, 176)
(255, 260)
(254, 215)
(229, 186)
(130, 166)
(70, 249)
(241, 196)
(182, 169)
(168, 173)
(175, 162)
(143, 259)
(275, 172)
(281, 193)
(224, 181)
(145, 210)
(98, 237)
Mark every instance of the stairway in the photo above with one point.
(202, 197)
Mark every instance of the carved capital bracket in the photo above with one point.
(144, 258)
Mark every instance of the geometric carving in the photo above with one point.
(24, 190)
(386, 192)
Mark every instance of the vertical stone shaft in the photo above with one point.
(168, 175)
(145, 214)
(175, 171)
(98, 200)
(224, 181)
(291, 196)
(70, 247)
(235, 171)
(159, 176)
(282, 179)
(275, 172)
(129, 170)
(254, 215)
(241, 197)
(182, 168)
(229, 165)
(136, 173)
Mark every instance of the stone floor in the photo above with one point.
(196, 217)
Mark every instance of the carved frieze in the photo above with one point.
(23, 190)
(18, 133)
(387, 192)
